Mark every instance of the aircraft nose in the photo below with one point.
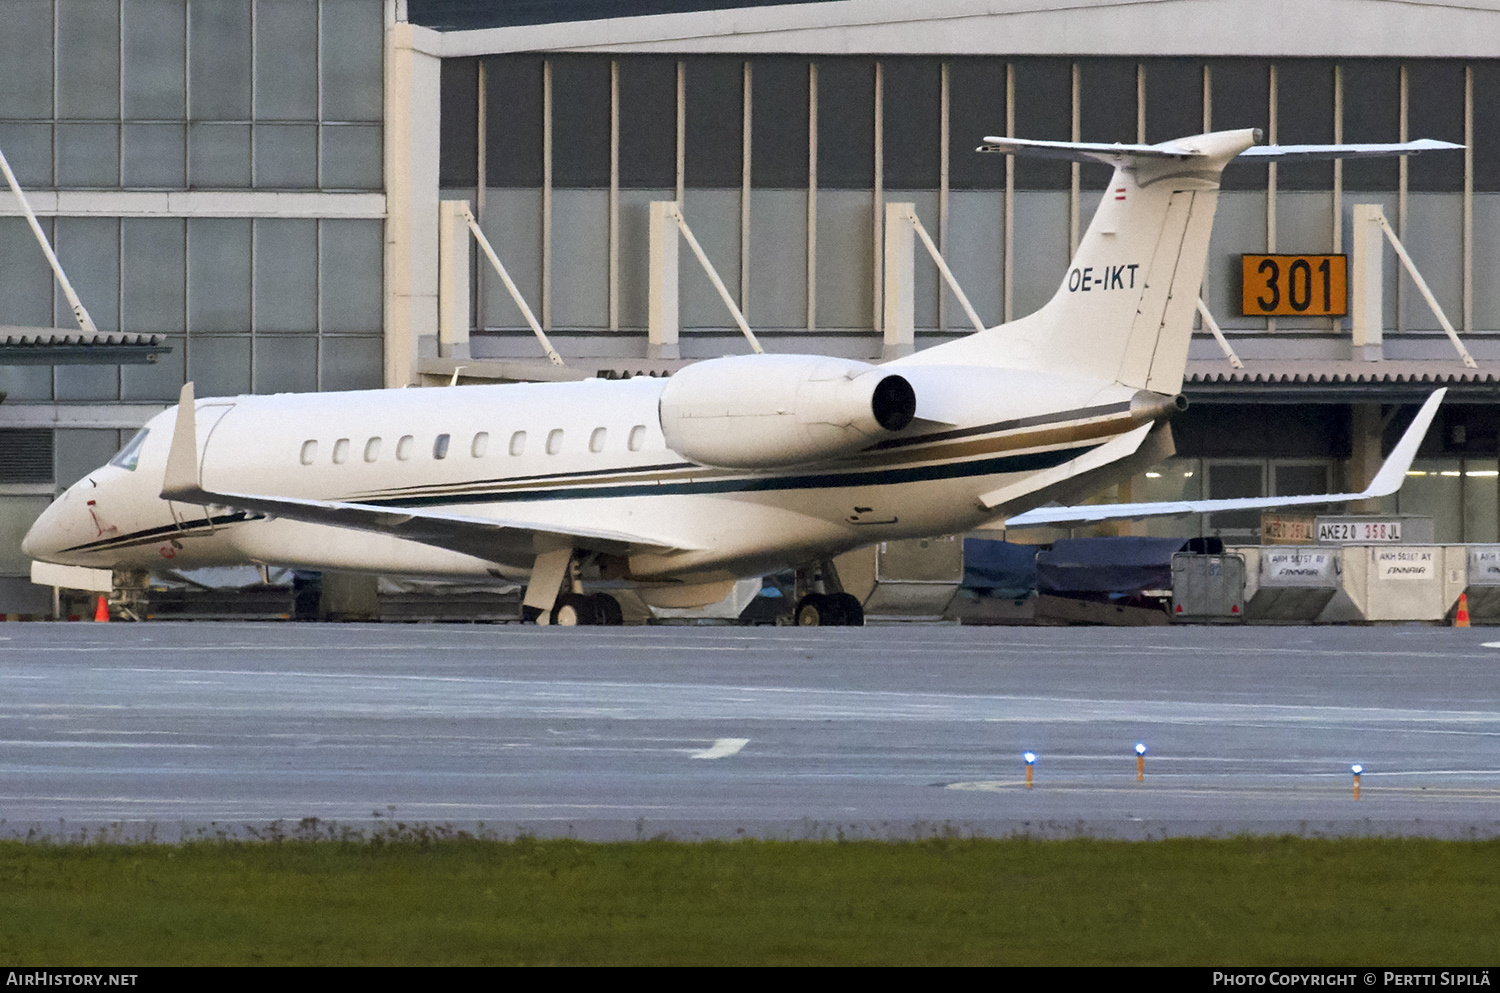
(49, 535)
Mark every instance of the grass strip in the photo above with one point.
(1244, 901)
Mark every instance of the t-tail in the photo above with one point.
(1124, 310)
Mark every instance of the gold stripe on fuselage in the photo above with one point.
(1008, 440)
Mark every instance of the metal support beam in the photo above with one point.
(900, 307)
(454, 258)
(1213, 326)
(1422, 287)
(713, 277)
(663, 323)
(510, 286)
(1366, 313)
(80, 313)
(1366, 428)
(901, 223)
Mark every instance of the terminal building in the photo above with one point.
(250, 194)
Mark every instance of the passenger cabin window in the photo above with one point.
(518, 443)
(596, 440)
(309, 452)
(130, 455)
(481, 445)
(637, 437)
(372, 449)
(341, 451)
(404, 446)
(440, 447)
(554, 441)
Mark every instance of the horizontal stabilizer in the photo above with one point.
(1387, 481)
(1084, 151)
(1180, 149)
(1315, 153)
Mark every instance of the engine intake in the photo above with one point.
(769, 411)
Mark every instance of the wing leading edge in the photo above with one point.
(1387, 481)
(499, 540)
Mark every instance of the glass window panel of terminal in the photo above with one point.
(513, 130)
(1107, 95)
(1174, 98)
(1435, 109)
(714, 121)
(778, 122)
(1241, 98)
(1304, 116)
(846, 123)
(458, 124)
(911, 97)
(1044, 111)
(580, 121)
(976, 109)
(648, 122)
(1372, 113)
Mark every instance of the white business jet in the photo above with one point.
(731, 468)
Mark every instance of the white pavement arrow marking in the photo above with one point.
(722, 748)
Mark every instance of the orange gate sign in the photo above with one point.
(1295, 285)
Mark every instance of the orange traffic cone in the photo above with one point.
(101, 612)
(1461, 619)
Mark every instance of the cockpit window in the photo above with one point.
(130, 455)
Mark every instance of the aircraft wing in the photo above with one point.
(484, 537)
(1387, 481)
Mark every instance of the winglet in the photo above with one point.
(180, 481)
(1391, 475)
(1387, 481)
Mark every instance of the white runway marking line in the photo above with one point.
(722, 748)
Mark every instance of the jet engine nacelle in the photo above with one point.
(767, 411)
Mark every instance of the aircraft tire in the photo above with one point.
(607, 610)
(817, 610)
(851, 612)
(574, 609)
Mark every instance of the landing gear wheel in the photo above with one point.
(574, 609)
(851, 612)
(607, 610)
(816, 610)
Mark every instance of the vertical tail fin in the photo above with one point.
(1124, 311)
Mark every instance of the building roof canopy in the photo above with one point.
(48, 346)
(1264, 28)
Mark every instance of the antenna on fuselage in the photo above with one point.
(80, 312)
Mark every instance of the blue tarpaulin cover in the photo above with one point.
(1107, 565)
(999, 567)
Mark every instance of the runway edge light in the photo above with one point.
(1140, 761)
(1030, 758)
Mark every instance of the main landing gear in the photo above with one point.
(573, 609)
(829, 609)
(555, 594)
(822, 601)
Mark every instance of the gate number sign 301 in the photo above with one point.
(1295, 285)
